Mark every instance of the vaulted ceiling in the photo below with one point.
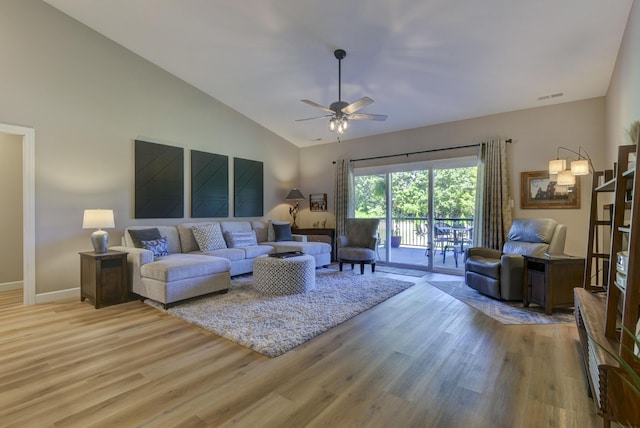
(423, 61)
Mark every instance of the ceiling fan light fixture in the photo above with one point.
(345, 124)
(339, 111)
(333, 124)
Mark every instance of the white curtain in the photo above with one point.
(344, 194)
(493, 196)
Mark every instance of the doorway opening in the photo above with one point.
(28, 208)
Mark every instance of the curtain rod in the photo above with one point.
(422, 151)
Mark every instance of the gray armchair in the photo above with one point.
(499, 274)
(359, 244)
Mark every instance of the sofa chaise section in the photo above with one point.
(174, 277)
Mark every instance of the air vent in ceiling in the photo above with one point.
(547, 97)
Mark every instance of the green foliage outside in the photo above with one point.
(454, 194)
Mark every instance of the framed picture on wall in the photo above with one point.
(317, 202)
(538, 191)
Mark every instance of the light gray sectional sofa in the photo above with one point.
(185, 271)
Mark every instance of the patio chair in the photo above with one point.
(443, 239)
(422, 230)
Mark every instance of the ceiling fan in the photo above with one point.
(341, 111)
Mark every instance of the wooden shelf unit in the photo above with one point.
(599, 316)
(623, 237)
(597, 260)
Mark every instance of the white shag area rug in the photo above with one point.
(272, 325)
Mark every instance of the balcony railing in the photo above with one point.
(415, 231)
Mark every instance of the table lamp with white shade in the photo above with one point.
(99, 219)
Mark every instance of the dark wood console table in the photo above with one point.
(320, 235)
(549, 281)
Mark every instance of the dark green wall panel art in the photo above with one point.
(248, 188)
(209, 185)
(159, 180)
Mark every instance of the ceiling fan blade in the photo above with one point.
(364, 116)
(357, 105)
(317, 117)
(321, 107)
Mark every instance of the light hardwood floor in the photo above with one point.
(420, 359)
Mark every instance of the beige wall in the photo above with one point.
(623, 97)
(88, 99)
(10, 208)
(536, 134)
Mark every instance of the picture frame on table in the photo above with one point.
(317, 202)
(540, 191)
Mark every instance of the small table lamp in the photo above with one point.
(294, 195)
(98, 219)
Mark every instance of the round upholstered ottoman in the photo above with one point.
(276, 276)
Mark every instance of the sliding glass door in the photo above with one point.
(425, 211)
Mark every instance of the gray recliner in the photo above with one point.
(499, 274)
(359, 244)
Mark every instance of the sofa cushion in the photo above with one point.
(159, 247)
(309, 248)
(282, 232)
(257, 250)
(240, 239)
(260, 228)
(187, 240)
(176, 267)
(139, 235)
(231, 254)
(235, 226)
(271, 234)
(170, 232)
(209, 237)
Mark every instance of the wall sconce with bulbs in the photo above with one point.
(580, 166)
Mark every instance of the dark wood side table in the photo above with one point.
(104, 278)
(320, 235)
(549, 281)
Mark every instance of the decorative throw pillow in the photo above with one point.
(139, 235)
(160, 247)
(240, 239)
(282, 232)
(209, 237)
(271, 235)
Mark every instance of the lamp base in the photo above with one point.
(100, 241)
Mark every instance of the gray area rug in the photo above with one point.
(272, 325)
(505, 312)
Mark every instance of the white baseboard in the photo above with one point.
(16, 285)
(58, 295)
